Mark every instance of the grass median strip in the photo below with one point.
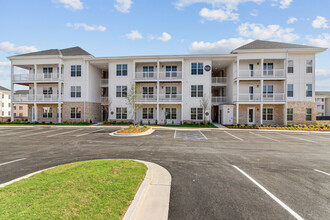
(100, 189)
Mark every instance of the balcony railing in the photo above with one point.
(40, 98)
(37, 77)
(146, 75)
(147, 98)
(274, 97)
(104, 82)
(219, 80)
(269, 73)
(170, 97)
(104, 100)
(219, 99)
(257, 97)
(170, 75)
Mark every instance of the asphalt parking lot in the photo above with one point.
(216, 174)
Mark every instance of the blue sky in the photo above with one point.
(149, 27)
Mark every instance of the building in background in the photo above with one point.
(5, 104)
(323, 105)
(21, 110)
(262, 83)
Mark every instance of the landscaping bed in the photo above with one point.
(133, 130)
(99, 189)
(300, 127)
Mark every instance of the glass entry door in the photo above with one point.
(251, 116)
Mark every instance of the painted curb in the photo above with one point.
(148, 132)
(152, 199)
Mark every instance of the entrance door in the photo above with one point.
(251, 116)
(251, 91)
(251, 70)
(215, 114)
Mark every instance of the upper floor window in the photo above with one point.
(148, 72)
(121, 69)
(75, 70)
(170, 92)
(47, 92)
(309, 90)
(20, 107)
(290, 90)
(171, 71)
(47, 71)
(290, 66)
(268, 91)
(3, 96)
(196, 90)
(148, 92)
(268, 69)
(309, 66)
(197, 68)
(75, 91)
(121, 91)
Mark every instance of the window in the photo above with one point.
(47, 72)
(170, 113)
(148, 113)
(8, 96)
(3, 96)
(75, 91)
(121, 69)
(290, 114)
(309, 114)
(20, 114)
(148, 72)
(171, 92)
(268, 91)
(15, 107)
(3, 113)
(75, 70)
(15, 115)
(290, 66)
(148, 92)
(197, 68)
(171, 71)
(75, 113)
(290, 90)
(196, 90)
(309, 66)
(20, 107)
(8, 105)
(3, 104)
(47, 112)
(47, 92)
(121, 113)
(8, 112)
(309, 90)
(267, 114)
(196, 113)
(268, 69)
(121, 91)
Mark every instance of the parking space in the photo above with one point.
(280, 175)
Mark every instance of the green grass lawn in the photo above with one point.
(99, 189)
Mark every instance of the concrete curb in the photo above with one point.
(149, 131)
(153, 197)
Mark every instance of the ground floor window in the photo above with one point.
(47, 112)
(290, 114)
(309, 114)
(268, 114)
(75, 112)
(170, 113)
(121, 113)
(196, 113)
(148, 113)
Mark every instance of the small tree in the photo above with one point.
(204, 103)
(132, 100)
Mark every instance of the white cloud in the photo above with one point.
(215, 3)
(221, 46)
(283, 3)
(270, 32)
(320, 22)
(322, 40)
(322, 72)
(9, 47)
(123, 5)
(323, 84)
(87, 27)
(254, 13)
(292, 20)
(133, 35)
(165, 37)
(218, 14)
(72, 4)
(4, 63)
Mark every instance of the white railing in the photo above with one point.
(47, 98)
(273, 97)
(219, 99)
(249, 97)
(170, 97)
(274, 73)
(37, 77)
(146, 75)
(219, 80)
(40, 98)
(249, 73)
(23, 77)
(170, 75)
(105, 100)
(268, 73)
(147, 98)
(23, 97)
(104, 82)
(257, 97)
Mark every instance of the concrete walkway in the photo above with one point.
(219, 125)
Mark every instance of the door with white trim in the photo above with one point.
(251, 116)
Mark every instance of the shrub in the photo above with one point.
(145, 126)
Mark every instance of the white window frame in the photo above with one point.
(149, 113)
(75, 113)
(268, 114)
(121, 112)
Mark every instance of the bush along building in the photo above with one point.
(260, 83)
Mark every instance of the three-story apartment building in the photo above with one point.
(262, 82)
(5, 103)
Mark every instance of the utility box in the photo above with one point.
(227, 114)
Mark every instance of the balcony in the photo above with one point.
(104, 100)
(268, 74)
(40, 98)
(38, 77)
(104, 82)
(269, 97)
(216, 100)
(147, 98)
(170, 75)
(170, 97)
(219, 80)
(146, 76)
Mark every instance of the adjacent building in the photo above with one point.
(262, 82)
(5, 104)
(323, 105)
(21, 110)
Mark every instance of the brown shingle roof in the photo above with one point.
(73, 51)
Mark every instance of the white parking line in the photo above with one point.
(43, 132)
(15, 132)
(293, 213)
(264, 137)
(13, 161)
(67, 132)
(234, 136)
(79, 135)
(203, 135)
(320, 171)
(302, 139)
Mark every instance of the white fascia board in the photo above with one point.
(289, 50)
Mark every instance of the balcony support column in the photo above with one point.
(158, 82)
(35, 112)
(261, 113)
(261, 67)
(59, 102)
(35, 71)
(262, 90)
(158, 122)
(237, 113)
(12, 94)
(285, 113)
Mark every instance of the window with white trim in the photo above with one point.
(121, 70)
(75, 113)
(309, 114)
(148, 72)
(289, 114)
(170, 91)
(47, 92)
(197, 68)
(170, 113)
(75, 70)
(148, 92)
(171, 71)
(290, 90)
(121, 113)
(47, 71)
(75, 91)
(290, 66)
(196, 90)
(196, 113)
(47, 112)
(267, 114)
(148, 113)
(309, 90)
(121, 91)
(309, 66)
